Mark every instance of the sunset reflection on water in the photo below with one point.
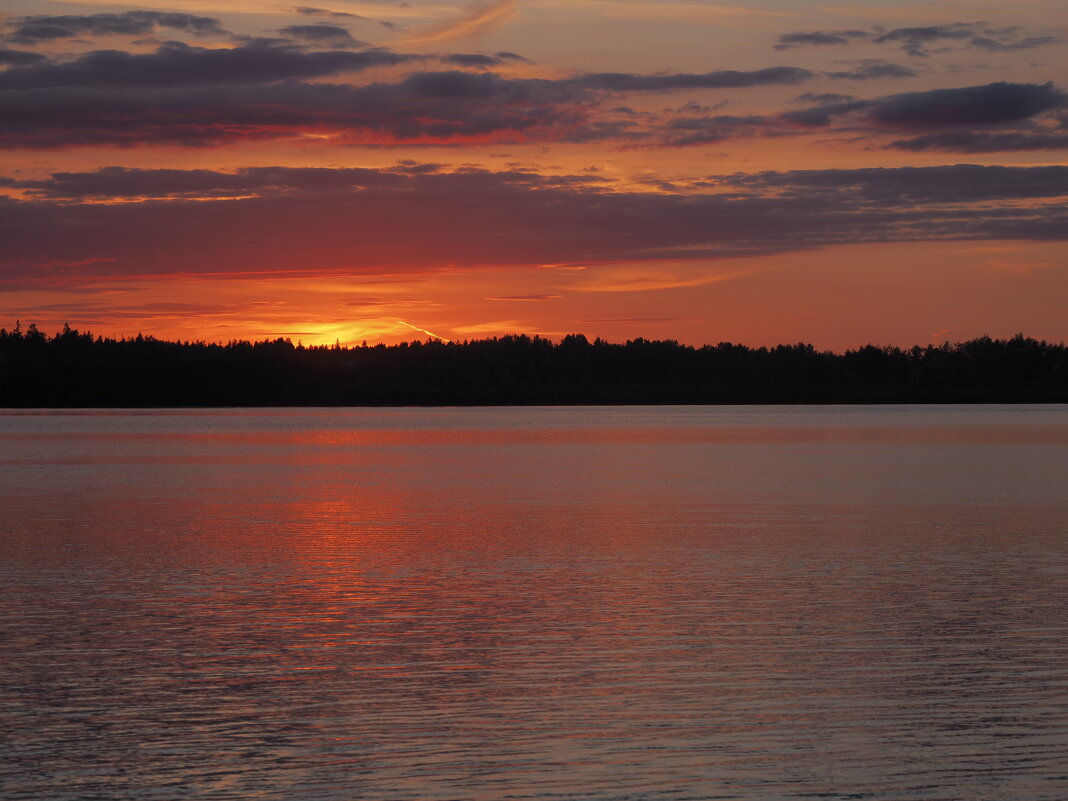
(531, 603)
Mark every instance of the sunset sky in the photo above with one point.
(759, 172)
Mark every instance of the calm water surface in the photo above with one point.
(543, 603)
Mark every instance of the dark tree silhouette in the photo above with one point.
(73, 369)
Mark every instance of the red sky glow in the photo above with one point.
(840, 174)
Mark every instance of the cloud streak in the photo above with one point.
(1016, 116)
(200, 97)
(329, 35)
(955, 183)
(312, 11)
(352, 221)
(31, 30)
(918, 41)
(262, 88)
(177, 65)
(479, 19)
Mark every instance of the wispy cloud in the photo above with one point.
(358, 221)
(526, 298)
(479, 19)
(647, 280)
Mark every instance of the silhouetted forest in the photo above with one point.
(73, 369)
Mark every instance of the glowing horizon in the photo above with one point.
(843, 175)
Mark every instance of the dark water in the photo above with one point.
(630, 603)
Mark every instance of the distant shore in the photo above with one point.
(76, 370)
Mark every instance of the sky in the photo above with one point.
(839, 173)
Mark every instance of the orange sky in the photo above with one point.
(754, 172)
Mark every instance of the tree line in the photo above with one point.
(75, 369)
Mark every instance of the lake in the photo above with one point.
(649, 603)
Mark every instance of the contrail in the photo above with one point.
(424, 331)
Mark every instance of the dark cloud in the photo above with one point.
(868, 72)
(364, 220)
(824, 98)
(1024, 43)
(984, 142)
(917, 41)
(43, 28)
(956, 183)
(180, 65)
(433, 107)
(471, 60)
(685, 131)
(197, 96)
(823, 115)
(124, 182)
(132, 183)
(992, 104)
(331, 35)
(484, 86)
(311, 11)
(194, 96)
(506, 55)
(721, 79)
(19, 58)
(788, 41)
